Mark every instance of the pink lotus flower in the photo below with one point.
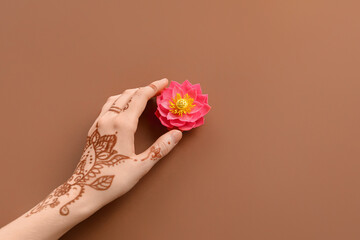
(182, 106)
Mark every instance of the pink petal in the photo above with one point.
(173, 84)
(165, 122)
(165, 104)
(202, 98)
(199, 122)
(192, 93)
(197, 87)
(186, 85)
(166, 94)
(157, 113)
(163, 111)
(172, 116)
(198, 106)
(194, 117)
(185, 118)
(159, 98)
(187, 126)
(204, 110)
(177, 123)
(176, 90)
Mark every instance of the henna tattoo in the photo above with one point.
(127, 105)
(153, 87)
(154, 154)
(117, 109)
(98, 152)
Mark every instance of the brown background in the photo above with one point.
(278, 156)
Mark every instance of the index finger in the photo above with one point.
(142, 96)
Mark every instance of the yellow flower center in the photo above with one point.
(181, 105)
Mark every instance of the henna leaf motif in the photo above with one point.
(113, 160)
(105, 143)
(93, 172)
(103, 155)
(102, 183)
(98, 153)
(95, 137)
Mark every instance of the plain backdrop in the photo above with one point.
(278, 156)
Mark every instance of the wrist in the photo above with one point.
(48, 219)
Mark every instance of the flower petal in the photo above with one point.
(172, 116)
(157, 113)
(166, 94)
(199, 122)
(185, 118)
(187, 126)
(204, 110)
(198, 106)
(164, 121)
(192, 93)
(177, 90)
(202, 98)
(165, 104)
(177, 123)
(173, 84)
(197, 87)
(163, 111)
(195, 116)
(186, 85)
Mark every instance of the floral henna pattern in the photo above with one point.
(154, 154)
(98, 152)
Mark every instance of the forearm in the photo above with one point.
(68, 205)
(45, 221)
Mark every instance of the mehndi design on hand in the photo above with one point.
(98, 152)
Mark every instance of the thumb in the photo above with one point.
(162, 146)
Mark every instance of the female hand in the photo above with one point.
(107, 169)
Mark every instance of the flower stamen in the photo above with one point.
(181, 105)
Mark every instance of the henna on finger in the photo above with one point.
(153, 87)
(117, 109)
(154, 154)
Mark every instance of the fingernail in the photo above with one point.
(176, 136)
(164, 79)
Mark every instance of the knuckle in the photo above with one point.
(137, 92)
(128, 91)
(118, 124)
(126, 124)
(111, 98)
(140, 91)
(103, 122)
(164, 148)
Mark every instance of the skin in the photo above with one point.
(108, 168)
